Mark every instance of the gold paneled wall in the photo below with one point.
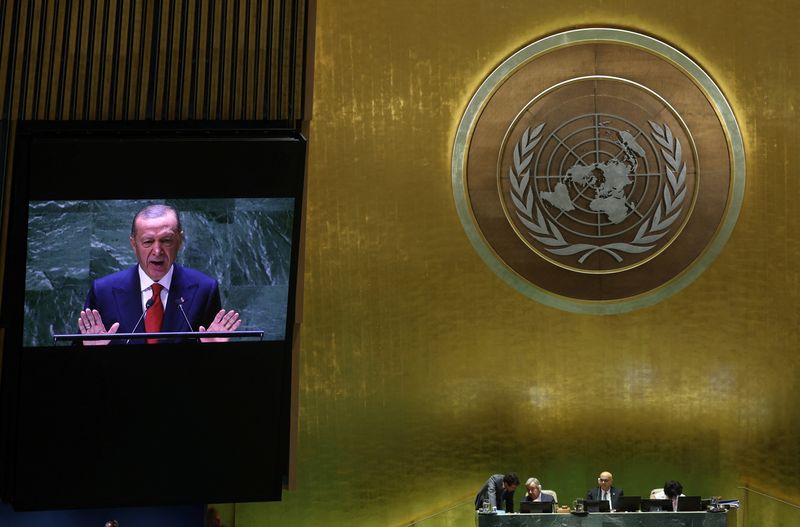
(423, 373)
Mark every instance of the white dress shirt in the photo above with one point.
(146, 284)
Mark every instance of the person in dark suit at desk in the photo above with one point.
(605, 490)
(157, 294)
(499, 490)
(534, 493)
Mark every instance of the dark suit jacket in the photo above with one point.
(118, 298)
(595, 494)
(494, 492)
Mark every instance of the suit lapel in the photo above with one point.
(128, 297)
(179, 289)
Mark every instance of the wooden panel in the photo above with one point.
(153, 59)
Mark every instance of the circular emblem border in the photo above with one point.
(595, 35)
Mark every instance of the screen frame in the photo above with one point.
(35, 387)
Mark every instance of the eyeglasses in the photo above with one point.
(603, 480)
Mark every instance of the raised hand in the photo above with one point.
(224, 321)
(90, 323)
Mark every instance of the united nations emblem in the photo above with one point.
(598, 170)
(604, 189)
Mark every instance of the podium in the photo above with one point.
(125, 338)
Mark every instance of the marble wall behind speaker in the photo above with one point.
(246, 244)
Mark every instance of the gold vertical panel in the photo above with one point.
(6, 13)
(164, 73)
(198, 89)
(80, 53)
(273, 25)
(423, 373)
(129, 59)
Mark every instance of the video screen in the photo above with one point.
(245, 244)
(174, 421)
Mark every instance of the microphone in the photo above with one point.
(147, 306)
(180, 306)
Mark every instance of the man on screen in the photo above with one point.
(157, 295)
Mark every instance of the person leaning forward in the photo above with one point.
(498, 489)
(672, 491)
(190, 299)
(605, 490)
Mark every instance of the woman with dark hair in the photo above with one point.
(672, 491)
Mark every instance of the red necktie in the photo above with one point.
(154, 315)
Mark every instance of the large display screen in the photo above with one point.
(245, 244)
(176, 421)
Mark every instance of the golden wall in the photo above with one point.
(423, 372)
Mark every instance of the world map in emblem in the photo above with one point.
(599, 191)
(607, 181)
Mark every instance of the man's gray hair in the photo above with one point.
(533, 481)
(155, 211)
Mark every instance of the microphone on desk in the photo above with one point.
(180, 306)
(147, 306)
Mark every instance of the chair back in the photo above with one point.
(551, 493)
(654, 492)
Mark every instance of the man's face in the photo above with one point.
(156, 244)
(510, 488)
(534, 491)
(605, 480)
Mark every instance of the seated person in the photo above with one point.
(605, 490)
(672, 491)
(535, 491)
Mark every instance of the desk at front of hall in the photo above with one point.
(611, 519)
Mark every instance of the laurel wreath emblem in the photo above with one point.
(546, 231)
